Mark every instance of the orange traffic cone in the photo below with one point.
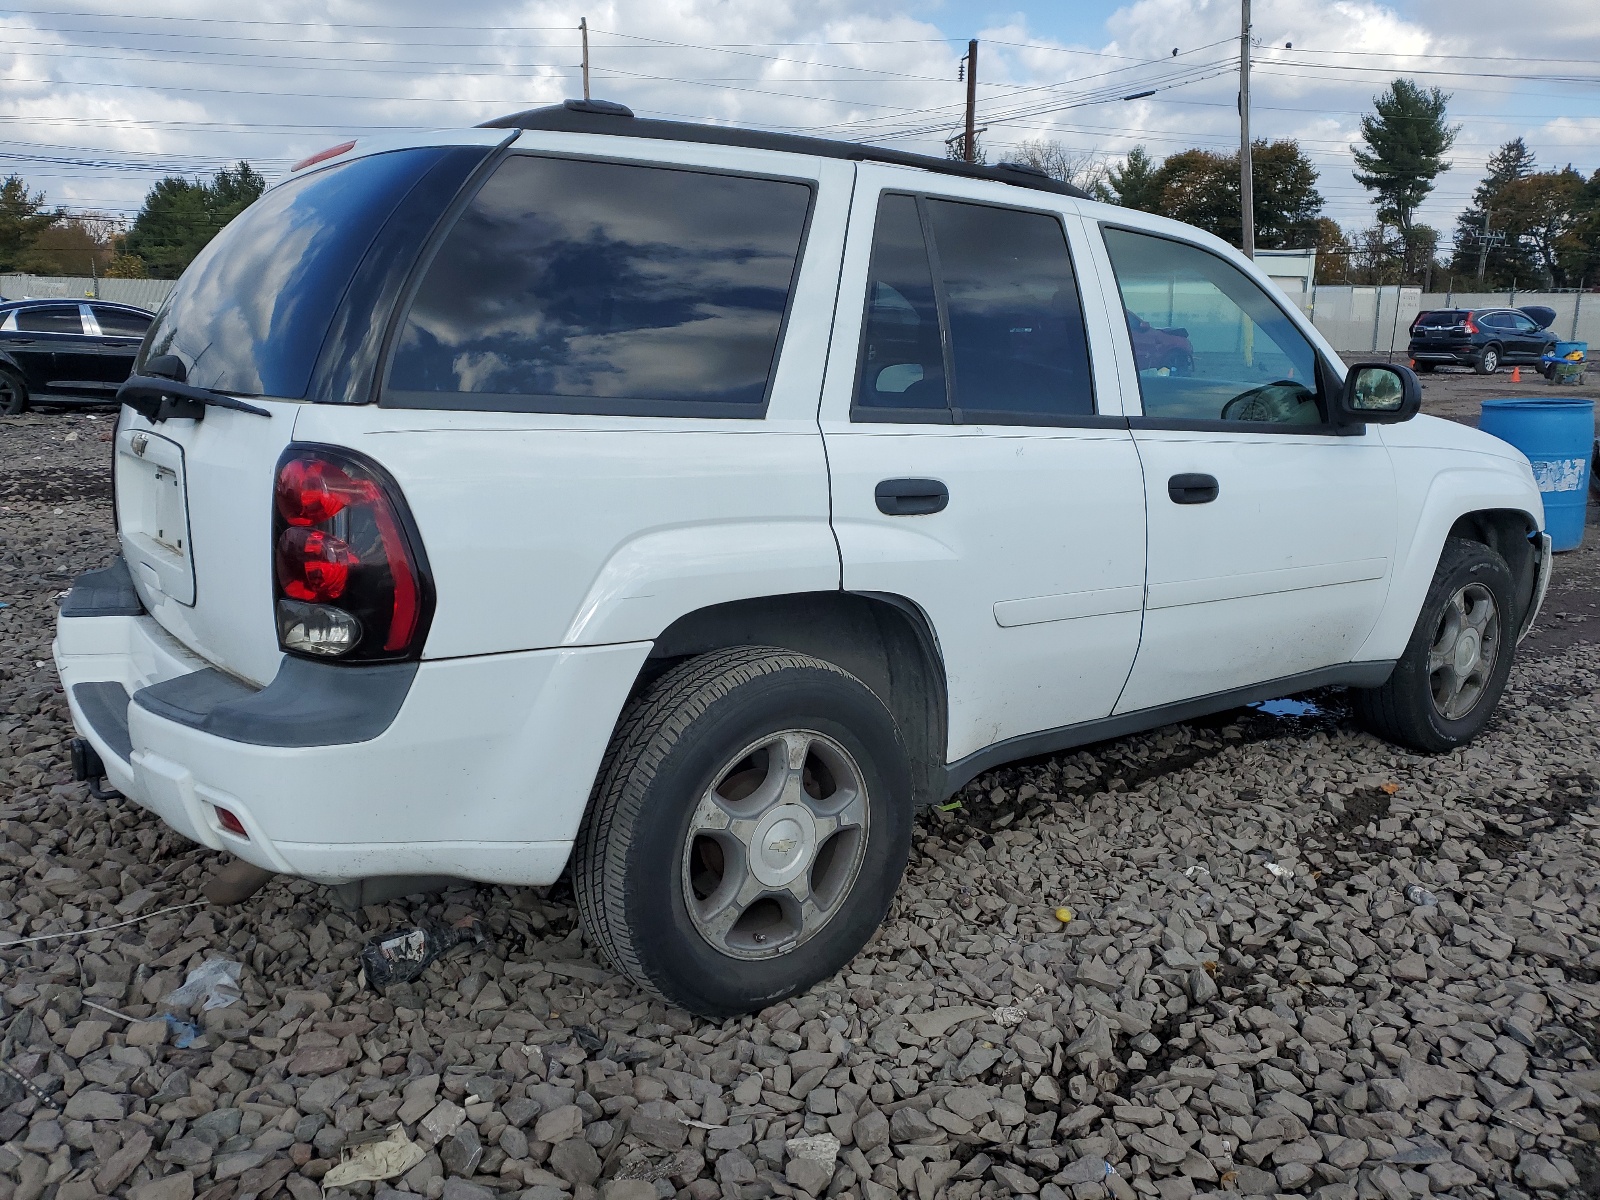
(1516, 374)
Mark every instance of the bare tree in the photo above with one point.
(1081, 168)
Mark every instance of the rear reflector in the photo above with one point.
(230, 822)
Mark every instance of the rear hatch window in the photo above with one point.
(252, 312)
(1442, 319)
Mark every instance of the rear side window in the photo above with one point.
(972, 315)
(50, 318)
(574, 286)
(250, 313)
(116, 323)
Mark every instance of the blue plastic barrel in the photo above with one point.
(1558, 438)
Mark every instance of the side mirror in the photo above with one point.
(1379, 394)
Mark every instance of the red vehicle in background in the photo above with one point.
(1160, 349)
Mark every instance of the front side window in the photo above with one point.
(1209, 344)
(50, 318)
(1002, 280)
(605, 287)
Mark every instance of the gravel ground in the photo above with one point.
(1250, 996)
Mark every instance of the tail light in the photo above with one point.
(1468, 324)
(352, 583)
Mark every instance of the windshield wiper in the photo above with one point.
(157, 397)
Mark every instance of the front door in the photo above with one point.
(1271, 534)
(44, 339)
(980, 466)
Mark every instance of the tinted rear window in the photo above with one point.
(1445, 317)
(572, 286)
(116, 323)
(250, 313)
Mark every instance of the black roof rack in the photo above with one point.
(604, 116)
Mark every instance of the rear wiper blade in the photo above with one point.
(155, 398)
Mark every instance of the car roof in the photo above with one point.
(32, 300)
(604, 117)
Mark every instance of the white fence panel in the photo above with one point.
(146, 293)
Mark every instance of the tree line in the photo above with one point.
(178, 217)
(1524, 227)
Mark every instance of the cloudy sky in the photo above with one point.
(96, 105)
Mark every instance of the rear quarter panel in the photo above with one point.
(553, 529)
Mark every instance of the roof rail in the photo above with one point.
(604, 116)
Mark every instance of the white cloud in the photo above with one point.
(185, 96)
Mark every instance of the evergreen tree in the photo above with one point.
(180, 216)
(1406, 141)
(1505, 259)
(1133, 183)
(22, 220)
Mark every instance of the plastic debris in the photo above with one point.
(5, 604)
(1389, 789)
(951, 807)
(1008, 1015)
(1420, 896)
(1287, 708)
(376, 1160)
(1064, 914)
(184, 1033)
(215, 982)
(403, 955)
(1279, 871)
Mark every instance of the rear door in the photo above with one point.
(981, 468)
(116, 335)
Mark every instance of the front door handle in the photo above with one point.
(1192, 489)
(911, 497)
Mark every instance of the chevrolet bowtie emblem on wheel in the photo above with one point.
(139, 441)
(782, 845)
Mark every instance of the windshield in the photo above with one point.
(250, 313)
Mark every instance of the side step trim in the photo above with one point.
(1050, 741)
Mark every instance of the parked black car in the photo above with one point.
(1482, 338)
(66, 351)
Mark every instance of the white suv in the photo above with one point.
(688, 504)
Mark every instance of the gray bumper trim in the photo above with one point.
(105, 708)
(105, 593)
(306, 704)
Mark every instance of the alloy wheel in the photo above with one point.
(1465, 647)
(775, 844)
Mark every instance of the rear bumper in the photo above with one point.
(1427, 353)
(481, 768)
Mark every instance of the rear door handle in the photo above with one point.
(911, 497)
(1192, 489)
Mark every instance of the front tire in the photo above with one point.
(748, 829)
(1445, 687)
(1488, 362)
(13, 394)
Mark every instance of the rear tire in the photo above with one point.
(1445, 687)
(1488, 362)
(710, 867)
(13, 394)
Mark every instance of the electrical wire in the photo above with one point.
(51, 937)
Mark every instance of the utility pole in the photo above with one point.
(969, 147)
(1247, 190)
(583, 28)
(1483, 248)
